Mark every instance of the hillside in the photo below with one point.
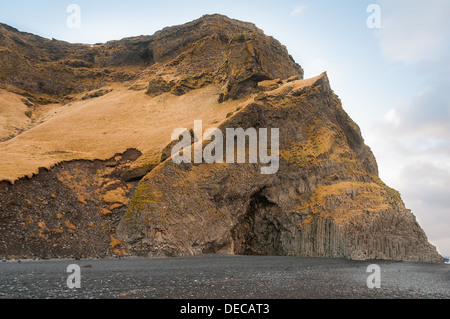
(86, 172)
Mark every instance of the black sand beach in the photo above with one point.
(223, 277)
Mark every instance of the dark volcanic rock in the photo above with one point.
(70, 211)
(325, 201)
(212, 49)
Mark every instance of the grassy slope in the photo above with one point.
(12, 114)
(101, 127)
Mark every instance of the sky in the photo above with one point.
(389, 64)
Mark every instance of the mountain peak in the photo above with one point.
(211, 49)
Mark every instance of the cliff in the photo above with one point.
(325, 201)
(212, 49)
(88, 171)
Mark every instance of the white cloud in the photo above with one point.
(412, 145)
(427, 193)
(425, 115)
(412, 148)
(298, 10)
(417, 165)
(414, 30)
(392, 118)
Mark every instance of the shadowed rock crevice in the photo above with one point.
(257, 231)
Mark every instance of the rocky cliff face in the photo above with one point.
(212, 49)
(325, 200)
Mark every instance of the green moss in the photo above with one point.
(239, 37)
(143, 200)
(318, 143)
(394, 196)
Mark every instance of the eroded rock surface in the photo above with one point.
(69, 211)
(326, 199)
(211, 49)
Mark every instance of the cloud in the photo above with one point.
(298, 10)
(427, 193)
(426, 114)
(414, 30)
(412, 144)
(413, 151)
(417, 163)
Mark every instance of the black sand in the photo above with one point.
(223, 277)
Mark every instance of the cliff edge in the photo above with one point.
(326, 200)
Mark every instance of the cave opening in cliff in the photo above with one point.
(258, 232)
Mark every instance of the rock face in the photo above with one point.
(326, 199)
(215, 49)
(212, 49)
(70, 211)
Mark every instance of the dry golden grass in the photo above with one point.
(323, 140)
(102, 127)
(12, 114)
(351, 200)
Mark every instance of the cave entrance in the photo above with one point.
(258, 231)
